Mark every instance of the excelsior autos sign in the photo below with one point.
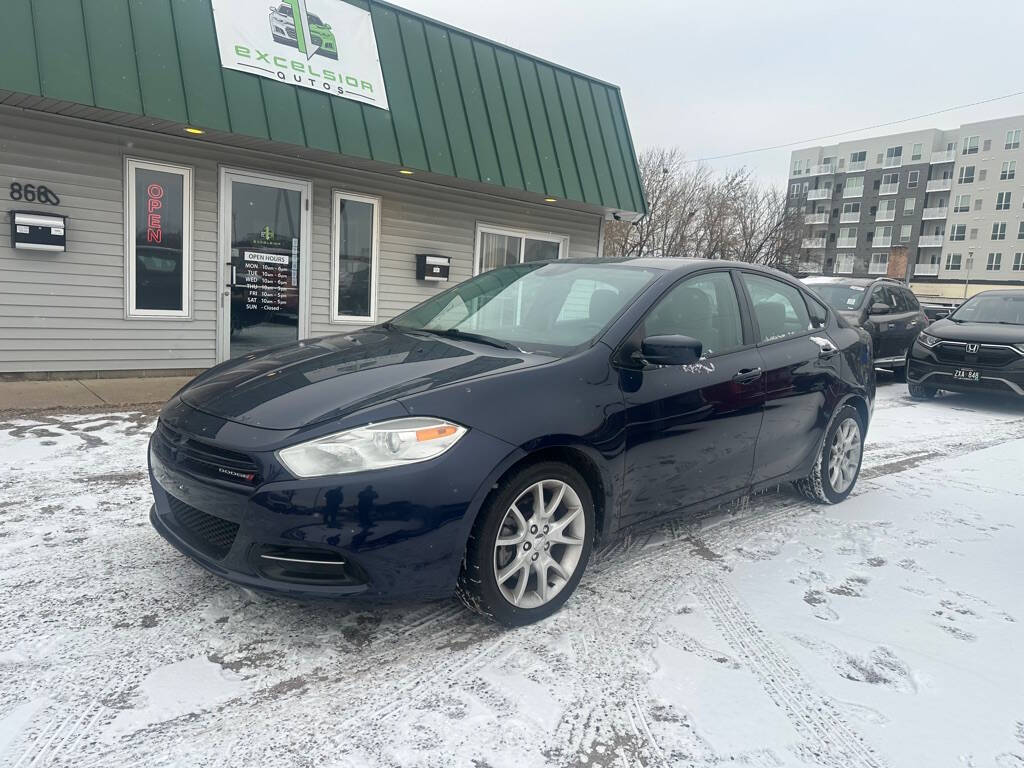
(324, 45)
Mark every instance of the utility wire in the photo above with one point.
(853, 130)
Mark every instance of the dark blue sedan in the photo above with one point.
(483, 441)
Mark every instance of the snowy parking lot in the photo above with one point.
(886, 631)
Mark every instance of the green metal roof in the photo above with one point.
(460, 105)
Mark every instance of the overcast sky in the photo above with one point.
(723, 76)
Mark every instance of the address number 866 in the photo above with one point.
(30, 193)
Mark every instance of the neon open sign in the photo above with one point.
(154, 203)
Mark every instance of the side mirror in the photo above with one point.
(941, 314)
(671, 350)
(879, 309)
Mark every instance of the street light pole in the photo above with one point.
(970, 263)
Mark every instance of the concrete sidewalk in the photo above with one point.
(26, 396)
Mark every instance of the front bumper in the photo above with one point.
(391, 533)
(925, 368)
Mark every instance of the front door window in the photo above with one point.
(263, 264)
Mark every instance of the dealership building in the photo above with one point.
(186, 181)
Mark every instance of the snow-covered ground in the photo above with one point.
(887, 631)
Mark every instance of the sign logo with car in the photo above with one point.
(330, 48)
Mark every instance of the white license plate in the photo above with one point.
(966, 374)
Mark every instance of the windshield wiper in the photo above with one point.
(455, 333)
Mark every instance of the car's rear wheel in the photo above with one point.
(920, 392)
(837, 467)
(529, 546)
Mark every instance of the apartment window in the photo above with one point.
(962, 204)
(999, 230)
(886, 210)
(995, 261)
(844, 264)
(883, 233)
(1020, 231)
(973, 234)
(966, 174)
(797, 168)
(890, 178)
(851, 208)
(893, 156)
(1018, 262)
(1013, 139)
(498, 247)
(953, 261)
(355, 240)
(987, 146)
(879, 264)
(847, 235)
(1009, 170)
(854, 187)
(908, 206)
(978, 203)
(794, 191)
(858, 160)
(913, 179)
(982, 174)
(958, 232)
(1003, 201)
(878, 158)
(905, 231)
(805, 187)
(915, 152)
(159, 238)
(970, 145)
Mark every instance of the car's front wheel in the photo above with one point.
(529, 546)
(837, 467)
(920, 392)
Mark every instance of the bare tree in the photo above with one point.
(692, 211)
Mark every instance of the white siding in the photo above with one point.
(66, 312)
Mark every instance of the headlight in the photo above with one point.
(374, 446)
(927, 340)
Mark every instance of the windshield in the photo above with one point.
(839, 296)
(1005, 308)
(541, 307)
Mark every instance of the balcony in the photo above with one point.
(930, 241)
(881, 241)
(822, 170)
(816, 218)
(846, 242)
(939, 185)
(849, 191)
(849, 218)
(946, 156)
(878, 267)
(844, 264)
(859, 165)
(886, 215)
(825, 193)
(813, 242)
(810, 267)
(935, 213)
(892, 162)
(889, 189)
(926, 269)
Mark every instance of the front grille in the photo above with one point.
(203, 458)
(989, 355)
(213, 536)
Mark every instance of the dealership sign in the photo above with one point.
(323, 45)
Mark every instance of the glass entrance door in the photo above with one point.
(265, 233)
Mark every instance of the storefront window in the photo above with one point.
(159, 248)
(356, 222)
(502, 247)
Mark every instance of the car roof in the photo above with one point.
(1002, 292)
(851, 281)
(675, 265)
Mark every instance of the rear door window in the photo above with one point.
(779, 308)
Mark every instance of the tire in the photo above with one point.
(920, 391)
(823, 484)
(531, 545)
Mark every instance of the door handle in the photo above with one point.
(747, 375)
(827, 350)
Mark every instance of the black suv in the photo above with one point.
(980, 347)
(883, 307)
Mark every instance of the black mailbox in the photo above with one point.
(38, 231)
(432, 268)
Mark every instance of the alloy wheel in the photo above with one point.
(539, 543)
(844, 455)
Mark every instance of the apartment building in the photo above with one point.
(952, 198)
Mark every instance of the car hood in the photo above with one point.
(985, 333)
(319, 379)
